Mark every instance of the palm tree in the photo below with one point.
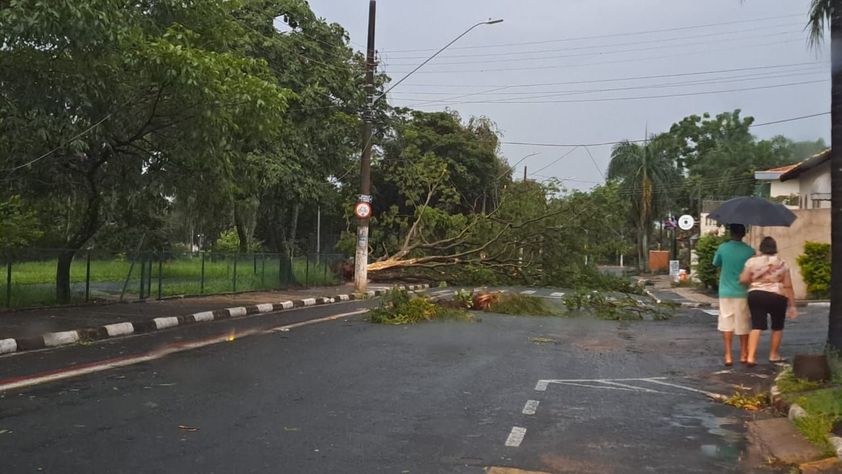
(824, 14)
(646, 177)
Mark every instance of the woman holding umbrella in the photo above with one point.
(766, 275)
(769, 294)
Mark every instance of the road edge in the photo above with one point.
(123, 329)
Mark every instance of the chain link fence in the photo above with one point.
(29, 277)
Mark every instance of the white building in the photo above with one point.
(812, 178)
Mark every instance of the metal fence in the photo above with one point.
(29, 278)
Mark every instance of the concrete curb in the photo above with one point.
(795, 411)
(62, 338)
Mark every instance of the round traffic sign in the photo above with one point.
(686, 222)
(362, 210)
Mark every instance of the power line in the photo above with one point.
(62, 145)
(632, 78)
(612, 35)
(615, 99)
(663, 44)
(556, 161)
(547, 94)
(617, 142)
(603, 63)
(624, 43)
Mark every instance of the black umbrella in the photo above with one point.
(753, 211)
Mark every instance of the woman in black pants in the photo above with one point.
(769, 294)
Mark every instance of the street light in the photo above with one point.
(363, 208)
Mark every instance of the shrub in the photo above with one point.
(520, 305)
(706, 249)
(815, 269)
(398, 306)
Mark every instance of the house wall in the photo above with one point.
(811, 225)
(814, 181)
(785, 188)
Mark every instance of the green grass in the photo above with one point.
(788, 384)
(33, 283)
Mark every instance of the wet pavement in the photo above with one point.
(540, 393)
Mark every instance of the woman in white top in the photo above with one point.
(769, 294)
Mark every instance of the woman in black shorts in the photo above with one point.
(770, 295)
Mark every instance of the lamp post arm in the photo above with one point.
(374, 101)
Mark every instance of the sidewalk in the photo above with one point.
(49, 327)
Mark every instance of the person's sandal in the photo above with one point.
(780, 360)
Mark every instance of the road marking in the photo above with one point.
(515, 436)
(557, 294)
(527, 292)
(124, 361)
(712, 395)
(712, 312)
(634, 387)
(531, 407)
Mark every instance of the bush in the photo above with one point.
(815, 269)
(706, 249)
(398, 306)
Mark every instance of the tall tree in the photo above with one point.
(827, 14)
(648, 177)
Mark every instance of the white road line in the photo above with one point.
(557, 294)
(712, 312)
(715, 396)
(640, 389)
(515, 436)
(527, 292)
(531, 407)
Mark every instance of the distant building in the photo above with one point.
(770, 185)
(812, 177)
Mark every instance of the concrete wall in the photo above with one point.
(812, 225)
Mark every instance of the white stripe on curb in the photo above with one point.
(119, 329)
(287, 304)
(265, 308)
(54, 339)
(309, 301)
(237, 312)
(203, 317)
(796, 412)
(557, 294)
(344, 297)
(527, 292)
(836, 442)
(516, 436)
(163, 323)
(8, 346)
(370, 293)
(531, 407)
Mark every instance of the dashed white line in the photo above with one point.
(515, 436)
(531, 407)
(557, 294)
(527, 292)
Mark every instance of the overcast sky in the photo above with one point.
(528, 73)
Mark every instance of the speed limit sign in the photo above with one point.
(362, 210)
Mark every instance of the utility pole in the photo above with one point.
(524, 174)
(361, 257)
(318, 232)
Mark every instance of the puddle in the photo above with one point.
(727, 443)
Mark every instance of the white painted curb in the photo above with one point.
(265, 308)
(287, 304)
(203, 317)
(119, 329)
(237, 312)
(309, 301)
(796, 412)
(61, 338)
(164, 323)
(8, 346)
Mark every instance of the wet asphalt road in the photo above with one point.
(348, 396)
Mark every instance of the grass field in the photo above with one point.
(33, 282)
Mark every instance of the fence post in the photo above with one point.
(236, 257)
(324, 264)
(289, 268)
(202, 284)
(263, 271)
(88, 278)
(149, 275)
(254, 256)
(280, 271)
(142, 275)
(160, 272)
(9, 281)
(307, 271)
